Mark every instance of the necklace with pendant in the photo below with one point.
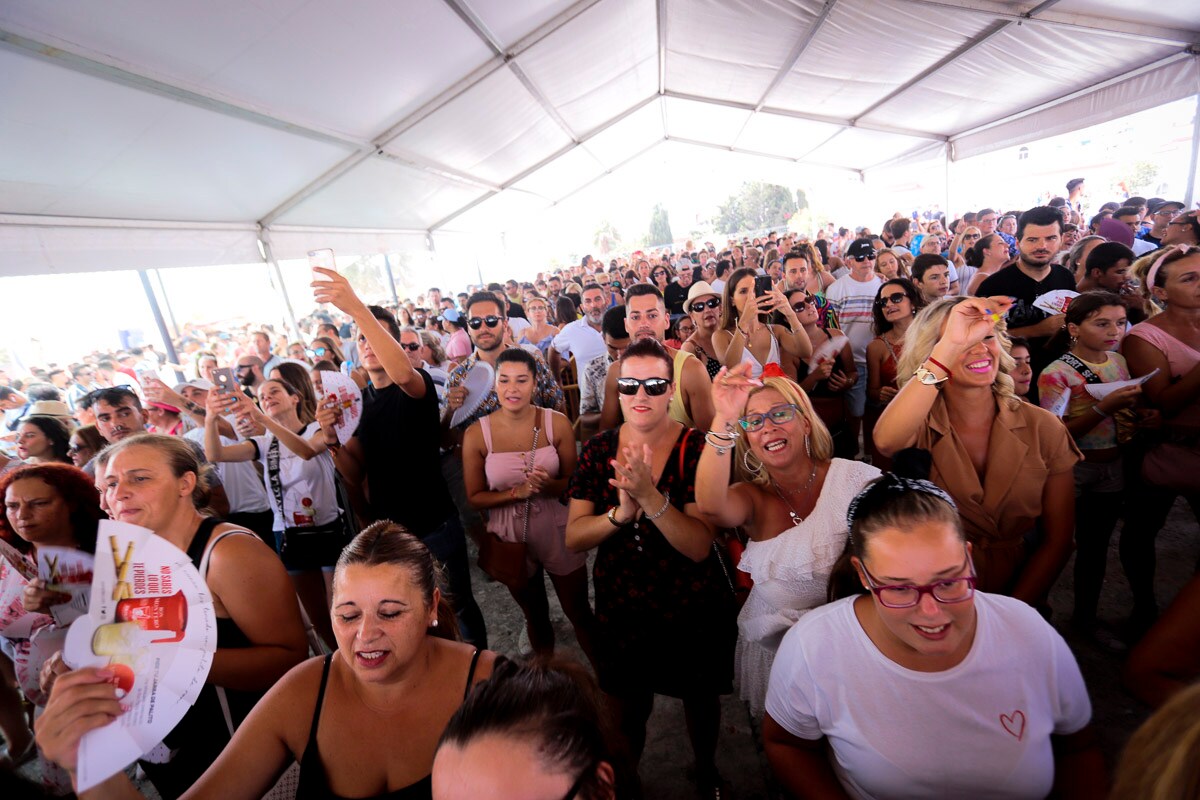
(796, 518)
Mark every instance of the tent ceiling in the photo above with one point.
(472, 114)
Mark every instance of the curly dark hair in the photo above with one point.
(74, 486)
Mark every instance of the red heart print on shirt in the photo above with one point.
(1014, 724)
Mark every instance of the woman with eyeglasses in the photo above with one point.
(789, 494)
(921, 686)
(1008, 464)
(679, 332)
(540, 333)
(826, 378)
(297, 352)
(664, 610)
(746, 336)
(895, 307)
(703, 306)
(42, 439)
(516, 463)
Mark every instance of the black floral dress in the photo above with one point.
(665, 623)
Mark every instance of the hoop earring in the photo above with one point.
(808, 446)
(755, 470)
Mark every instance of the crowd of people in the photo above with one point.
(838, 474)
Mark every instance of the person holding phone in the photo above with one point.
(746, 336)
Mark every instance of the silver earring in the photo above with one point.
(755, 470)
(434, 625)
(808, 445)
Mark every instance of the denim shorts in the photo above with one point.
(856, 395)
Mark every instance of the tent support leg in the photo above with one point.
(946, 199)
(168, 344)
(1194, 167)
(387, 265)
(269, 257)
(162, 287)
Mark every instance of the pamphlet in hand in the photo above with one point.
(1059, 407)
(1055, 302)
(344, 392)
(66, 570)
(827, 351)
(150, 622)
(1103, 390)
(15, 573)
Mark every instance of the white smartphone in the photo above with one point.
(321, 258)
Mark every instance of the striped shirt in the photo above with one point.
(853, 302)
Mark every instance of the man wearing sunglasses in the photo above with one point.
(646, 318)
(487, 326)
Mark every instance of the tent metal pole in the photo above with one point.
(269, 257)
(946, 207)
(1190, 195)
(168, 344)
(162, 287)
(387, 265)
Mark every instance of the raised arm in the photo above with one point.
(728, 507)
(218, 404)
(336, 289)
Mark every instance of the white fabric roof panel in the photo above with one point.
(732, 50)
(268, 111)
(382, 194)
(493, 130)
(591, 68)
(314, 63)
(1019, 67)
(866, 51)
(76, 145)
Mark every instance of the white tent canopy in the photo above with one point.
(137, 134)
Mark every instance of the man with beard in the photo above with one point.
(582, 339)
(1032, 275)
(249, 374)
(691, 402)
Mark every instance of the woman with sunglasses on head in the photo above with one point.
(516, 463)
(664, 610)
(895, 307)
(1168, 342)
(1008, 464)
(747, 337)
(703, 306)
(298, 471)
(921, 686)
(790, 496)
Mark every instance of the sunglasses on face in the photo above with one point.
(895, 298)
(870, 257)
(243, 368)
(655, 387)
(478, 322)
(799, 306)
(316, 352)
(779, 415)
(700, 305)
(972, 236)
(412, 347)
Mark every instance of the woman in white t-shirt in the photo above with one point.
(921, 686)
(298, 471)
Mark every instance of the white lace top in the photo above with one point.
(791, 576)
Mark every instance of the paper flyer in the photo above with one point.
(69, 571)
(1059, 407)
(342, 390)
(1103, 390)
(1055, 302)
(17, 560)
(15, 621)
(827, 351)
(150, 621)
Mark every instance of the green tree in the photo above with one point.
(758, 206)
(606, 238)
(660, 226)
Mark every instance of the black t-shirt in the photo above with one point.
(674, 297)
(1012, 282)
(399, 438)
(516, 310)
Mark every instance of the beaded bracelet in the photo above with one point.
(666, 504)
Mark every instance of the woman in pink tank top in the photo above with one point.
(516, 462)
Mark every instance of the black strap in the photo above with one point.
(316, 720)
(1074, 363)
(273, 476)
(471, 673)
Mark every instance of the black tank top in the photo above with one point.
(314, 785)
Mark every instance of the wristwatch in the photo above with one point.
(612, 517)
(928, 378)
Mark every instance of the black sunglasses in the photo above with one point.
(800, 306)
(655, 387)
(700, 305)
(897, 298)
(412, 347)
(243, 367)
(870, 257)
(478, 322)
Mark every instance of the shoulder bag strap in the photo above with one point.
(273, 476)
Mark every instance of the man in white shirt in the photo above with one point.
(853, 298)
(582, 339)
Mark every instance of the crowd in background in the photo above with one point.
(838, 474)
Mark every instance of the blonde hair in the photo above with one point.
(821, 440)
(1159, 762)
(926, 330)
